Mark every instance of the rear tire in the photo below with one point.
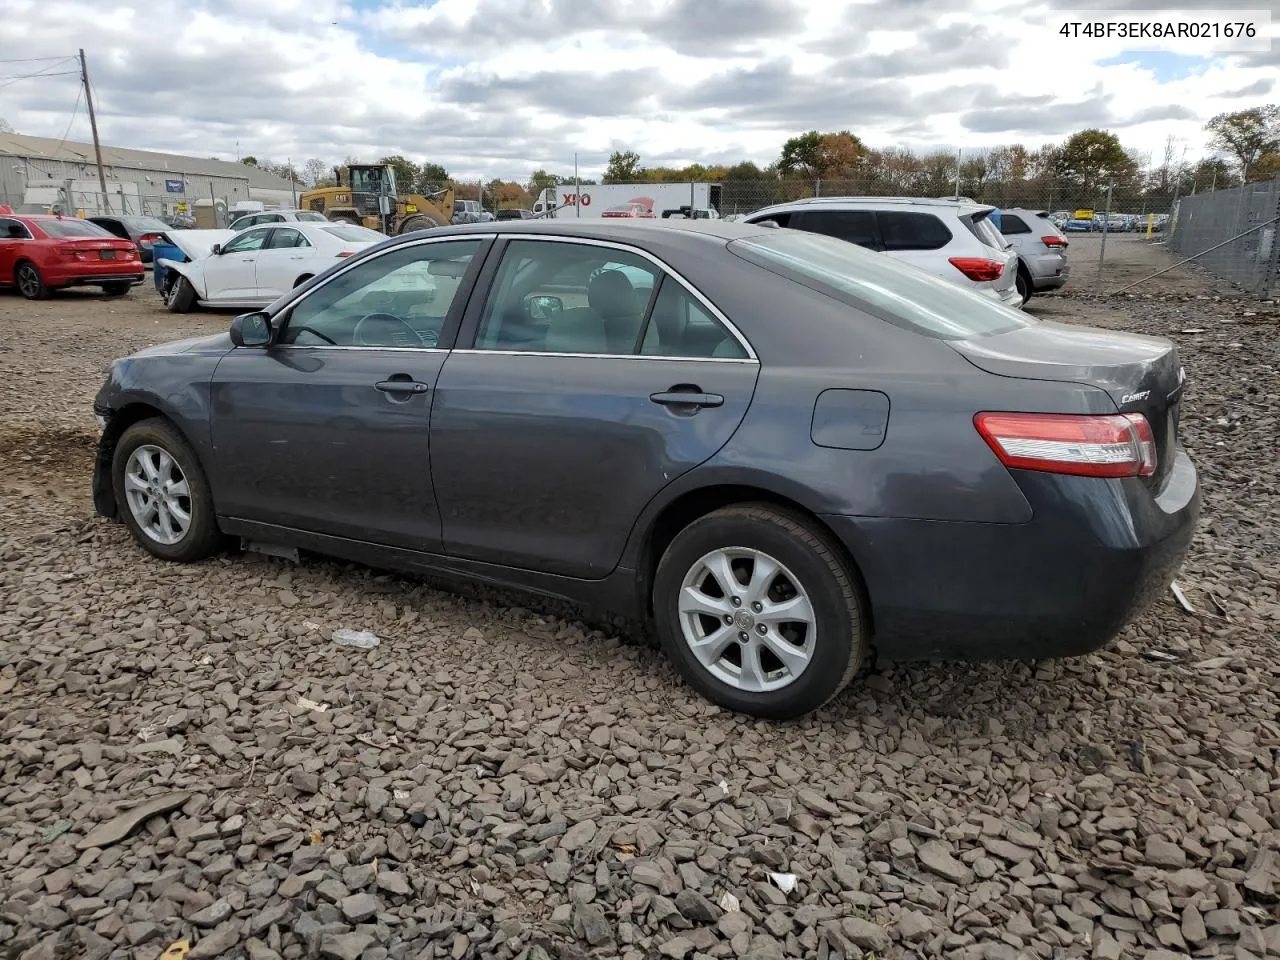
(1024, 284)
(418, 222)
(115, 289)
(302, 279)
(162, 494)
(181, 296)
(797, 633)
(29, 282)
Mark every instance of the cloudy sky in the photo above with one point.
(500, 87)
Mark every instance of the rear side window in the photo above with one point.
(781, 219)
(880, 286)
(1011, 224)
(905, 230)
(851, 226)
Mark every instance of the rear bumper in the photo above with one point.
(92, 274)
(1096, 553)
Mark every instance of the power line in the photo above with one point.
(33, 59)
(74, 111)
(46, 72)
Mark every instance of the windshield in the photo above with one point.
(72, 228)
(354, 234)
(366, 180)
(894, 292)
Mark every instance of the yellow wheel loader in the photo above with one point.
(369, 199)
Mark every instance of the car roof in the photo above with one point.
(925, 202)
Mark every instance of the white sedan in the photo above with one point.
(261, 264)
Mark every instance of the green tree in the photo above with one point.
(624, 167)
(430, 177)
(250, 161)
(801, 155)
(1093, 159)
(1246, 135)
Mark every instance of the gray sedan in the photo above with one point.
(778, 448)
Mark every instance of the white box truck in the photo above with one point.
(644, 200)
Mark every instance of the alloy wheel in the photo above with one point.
(747, 619)
(158, 494)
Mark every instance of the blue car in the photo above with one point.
(1078, 226)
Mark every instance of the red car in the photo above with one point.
(634, 208)
(39, 254)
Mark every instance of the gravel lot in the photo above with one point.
(187, 755)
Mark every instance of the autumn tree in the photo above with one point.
(624, 167)
(1210, 174)
(1246, 135)
(314, 172)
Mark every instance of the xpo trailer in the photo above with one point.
(649, 200)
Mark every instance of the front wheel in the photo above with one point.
(418, 222)
(760, 612)
(181, 295)
(162, 493)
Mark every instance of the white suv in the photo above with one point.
(954, 240)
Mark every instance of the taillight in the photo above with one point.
(147, 239)
(1053, 241)
(978, 269)
(1106, 445)
(347, 253)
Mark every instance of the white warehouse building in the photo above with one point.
(38, 174)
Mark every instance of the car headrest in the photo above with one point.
(610, 294)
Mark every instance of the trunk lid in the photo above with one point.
(1141, 374)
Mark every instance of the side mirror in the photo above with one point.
(251, 330)
(544, 308)
(215, 250)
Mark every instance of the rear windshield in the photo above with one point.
(310, 216)
(880, 285)
(72, 228)
(149, 224)
(349, 231)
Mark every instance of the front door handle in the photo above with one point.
(401, 387)
(687, 398)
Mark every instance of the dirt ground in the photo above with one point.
(498, 779)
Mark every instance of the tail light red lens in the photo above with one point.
(347, 253)
(1115, 445)
(1054, 242)
(978, 269)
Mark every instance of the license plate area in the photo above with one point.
(106, 254)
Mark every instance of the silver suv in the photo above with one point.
(954, 240)
(1041, 248)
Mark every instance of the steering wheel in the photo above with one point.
(313, 332)
(393, 331)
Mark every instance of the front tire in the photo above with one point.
(162, 494)
(181, 296)
(418, 222)
(29, 282)
(760, 612)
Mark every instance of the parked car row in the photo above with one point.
(1115, 223)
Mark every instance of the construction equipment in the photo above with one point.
(369, 198)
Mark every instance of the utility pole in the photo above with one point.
(93, 125)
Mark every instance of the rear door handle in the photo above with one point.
(401, 386)
(687, 398)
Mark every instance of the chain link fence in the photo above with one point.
(209, 212)
(1232, 234)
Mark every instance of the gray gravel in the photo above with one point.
(498, 779)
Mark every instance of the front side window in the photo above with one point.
(247, 242)
(399, 299)
(881, 286)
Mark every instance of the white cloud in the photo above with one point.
(499, 87)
